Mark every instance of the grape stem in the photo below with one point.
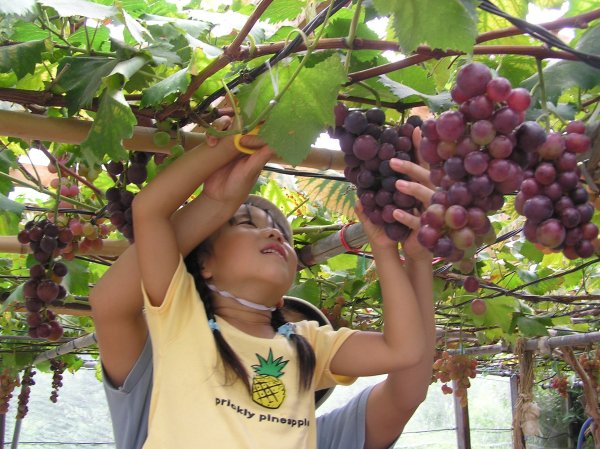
(44, 191)
(352, 35)
(542, 85)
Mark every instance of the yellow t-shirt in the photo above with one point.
(192, 405)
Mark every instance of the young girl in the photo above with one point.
(228, 372)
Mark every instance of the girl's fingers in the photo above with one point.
(412, 170)
(406, 219)
(419, 191)
(252, 141)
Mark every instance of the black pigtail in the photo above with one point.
(306, 355)
(231, 361)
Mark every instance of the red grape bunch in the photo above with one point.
(118, 197)
(26, 383)
(560, 384)
(58, 368)
(474, 161)
(8, 382)
(368, 145)
(552, 198)
(459, 368)
(46, 241)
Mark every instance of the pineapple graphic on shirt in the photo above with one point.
(267, 389)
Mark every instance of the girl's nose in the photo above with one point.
(274, 233)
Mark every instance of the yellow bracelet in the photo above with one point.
(239, 146)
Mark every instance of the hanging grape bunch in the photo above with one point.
(8, 382)
(58, 368)
(118, 197)
(26, 383)
(459, 368)
(552, 198)
(473, 161)
(368, 145)
(46, 240)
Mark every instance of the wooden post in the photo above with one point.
(463, 431)
(514, 397)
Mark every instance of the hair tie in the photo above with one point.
(214, 326)
(286, 330)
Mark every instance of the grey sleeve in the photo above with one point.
(129, 405)
(344, 427)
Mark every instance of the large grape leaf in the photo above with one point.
(419, 22)
(303, 112)
(435, 102)
(564, 74)
(490, 22)
(114, 122)
(282, 10)
(336, 196)
(8, 160)
(26, 31)
(177, 82)
(21, 58)
(82, 79)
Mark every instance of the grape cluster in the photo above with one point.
(46, 240)
(58, 368)
(334, 314)
(26, 383)
(459, 368)
(87, 236)
(560, 384)
(474, 162)
(368, 145)
(118, 197)
(552, 198)
(8, 383)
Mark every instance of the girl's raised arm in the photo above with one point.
(156, 244)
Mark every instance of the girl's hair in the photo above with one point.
(231, 362)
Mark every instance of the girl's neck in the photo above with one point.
(253, 322)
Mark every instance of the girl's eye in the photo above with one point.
(247, 222)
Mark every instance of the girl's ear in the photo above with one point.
(280, 304)
(206, 270)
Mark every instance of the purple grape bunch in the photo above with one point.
(44, 287)
(368, 145)
(475, 160)
(118, 197)
(552, 198)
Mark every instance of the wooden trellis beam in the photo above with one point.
(35, 127)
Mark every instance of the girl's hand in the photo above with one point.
(232, 183)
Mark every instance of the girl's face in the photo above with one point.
(251, 248)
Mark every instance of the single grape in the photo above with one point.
(376, 116)
(473, 78)
(161, 138)
(476, 163)
(478, 305)
(498, 89)
(137, 173)
(550, 233)
(505, 120)
(538, 208)
(480, 108)
(577, 143)
(454, 168)
(456, 217)
(471, 284)
(340, 111)
(450, 125)
(365, 147)
(396, 231)
(355, 122)
(553, 147)
(519, 99)
(530, 136)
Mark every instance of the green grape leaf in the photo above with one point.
(531, 327)
(21, 58)
(114, 122)
(309, 291)
(8, 160)
(178, 82)
(303, 112)
(435, 102)
(77, 279)
(282, 10)
(27, 31)
(419, 22)
(8, 205)
(68, 8)
(564, 74)
(82, 77)
(99, 37)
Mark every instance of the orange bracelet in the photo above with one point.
(238, 144)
